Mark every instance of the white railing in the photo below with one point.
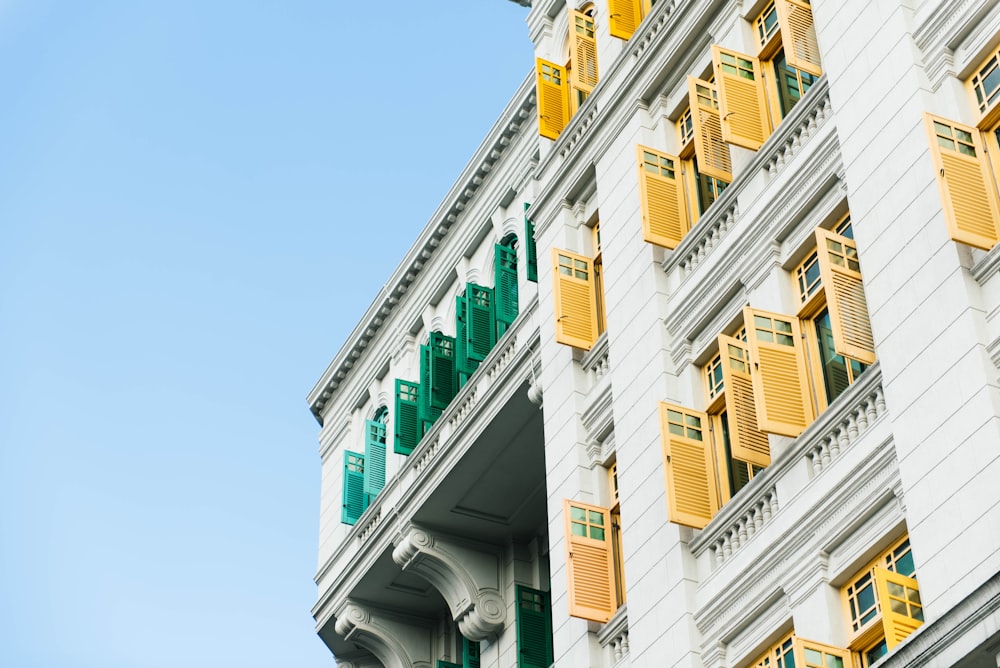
(839, 427)
(613, 637)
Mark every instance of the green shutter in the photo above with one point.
(443, 378)
(481, 334)
(470, 653)
(505, 287)
(534, 628)
(463, 364)
(354, 487)
(448, 664)
(407, 430)
(530, 251)
(374, 459)
(427, 412)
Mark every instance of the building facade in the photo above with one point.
(697, 362)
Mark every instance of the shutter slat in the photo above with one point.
(968, 191)
(900, 604)
(742, 101)
(481, 321)
(690, 470)
(780, 385)
(553, 98)
(747, 442)
(798, 36)
(407, 417)
(534, 628)
(505, 290)
(530, 249)
(709, 146)
(374, 478)
(590, 568)
(845, 298)
(664, 220)
(354, 487)
(575, 302)
(625, 16)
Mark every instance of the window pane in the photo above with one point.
(597, 533)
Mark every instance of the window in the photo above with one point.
(756, 92)
(616, 536)
(626, 15)
(407, 434)
(534, 628)
(505, 283)
(741, 449)
(967, 161)
(354, 487)
(882, 603)
(470, 656)
(374, 462)
(563, 89)
(590, 562)
(579, 295)
(792, 651)
(834, 312)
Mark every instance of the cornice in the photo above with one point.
(942, 35)
(988, 266)
(518, 111)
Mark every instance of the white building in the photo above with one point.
(743, 409)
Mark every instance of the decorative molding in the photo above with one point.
(613, 636)
(395, 640)
(952, 34)
(519, 110)
(988, 266)
(467, 577)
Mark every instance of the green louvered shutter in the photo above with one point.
(443, 373)
(354, 487)
(374, 459)
(534, 628)
(530, 251)
(505, 290)
(470, 653)
(463, 364)
(448, 664)
(407, 431)
(482, 321)
(427, 412)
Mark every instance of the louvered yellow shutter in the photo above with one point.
(968, 191)
(811, 654)
(746, 441)
(689, 466)
(664, 217)
(845, 296)
(553, 98)
(742, 102)
(575, 299)
(624, 16)
(899, 599)
(583, 71)
(798, 35)
(589, 561)
(711, 150)
(780, 386)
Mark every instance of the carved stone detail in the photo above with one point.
(396, 641)
(467, 576)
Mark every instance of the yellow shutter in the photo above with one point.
(575, 299)
(689, 466)
(625, 16)
(742, 102)
(664, 217)
(711, 150)
(780, 385)
(845, 296)
(589, 561)
(899, 599)
(798, 35)
(968, 191)
(583, 71)
(811, 654)
(746, 441)
(553, 98)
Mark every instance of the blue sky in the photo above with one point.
(198, 200)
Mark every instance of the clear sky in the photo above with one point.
(198, 201)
